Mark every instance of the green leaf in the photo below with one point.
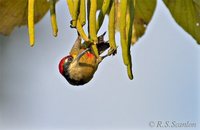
(187, 14)
(14, 13)
(144, 10)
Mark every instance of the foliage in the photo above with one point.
(14, 13)
(187, 14)
(129, 17)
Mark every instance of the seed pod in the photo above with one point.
(82, 15)
(92, 27)
(75, 13)
(102, 13)
(125, 34)
(130, 20)
(81, 31)
(78, 23)
(31, 22)
(111, 26)
(92, 20)
(70, 7)
(53, 17)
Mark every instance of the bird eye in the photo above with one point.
(69, 58)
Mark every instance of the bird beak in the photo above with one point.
(80, 55)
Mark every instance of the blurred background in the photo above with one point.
(33, 95)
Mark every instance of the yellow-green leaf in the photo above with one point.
(14, 13)
(187, 14)
(144, 10)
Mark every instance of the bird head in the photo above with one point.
(80, 69)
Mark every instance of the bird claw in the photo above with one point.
(112, 51)
(72, 24)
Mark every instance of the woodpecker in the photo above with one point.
(80, 65)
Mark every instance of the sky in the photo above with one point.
(33, 95)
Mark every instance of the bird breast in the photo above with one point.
(83, 69)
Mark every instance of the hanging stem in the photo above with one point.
(31, 22)
(53, 17)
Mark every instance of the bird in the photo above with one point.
(79, 66)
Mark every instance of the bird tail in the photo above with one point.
(102, 45)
